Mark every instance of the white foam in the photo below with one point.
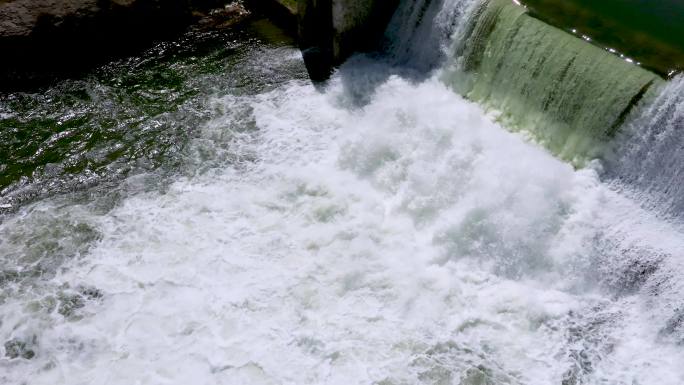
(408, 241)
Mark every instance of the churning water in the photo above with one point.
(384, 230)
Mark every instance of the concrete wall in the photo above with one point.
(331, 30)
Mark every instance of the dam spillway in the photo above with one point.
(580, 101)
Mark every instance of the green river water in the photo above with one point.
(132, 115)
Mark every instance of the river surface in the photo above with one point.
(203, 214)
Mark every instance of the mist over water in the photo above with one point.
(390, 233)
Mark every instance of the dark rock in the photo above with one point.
(220, 18)
(43, 39)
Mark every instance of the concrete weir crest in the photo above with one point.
(331, 30)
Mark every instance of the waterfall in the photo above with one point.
(648, 156)
(579, 101)
(419, 34)
(569, 95)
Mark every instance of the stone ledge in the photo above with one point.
(45, 39)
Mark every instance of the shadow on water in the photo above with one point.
(412, 47)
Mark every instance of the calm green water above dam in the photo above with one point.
(650, 31)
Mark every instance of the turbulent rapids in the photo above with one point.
(568, 93)
(487, 201)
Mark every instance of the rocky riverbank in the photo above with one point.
(42, 40)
